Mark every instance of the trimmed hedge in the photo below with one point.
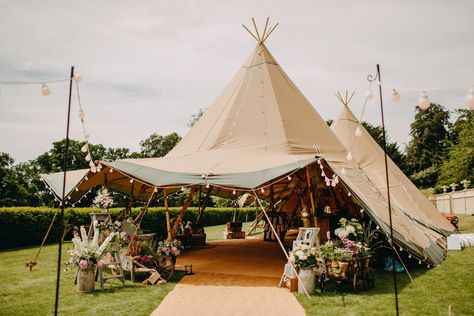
(26, 226)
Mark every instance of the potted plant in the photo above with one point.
(87, 255)
(170, 248)
(305, 260)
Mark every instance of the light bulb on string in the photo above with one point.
(369, 95)
(233, 192)
(262, 190)
(155, 190)
(349, 193)
(349, 156)
(401, 249)
(86, 178)
(81, 114)
(470, 99)
(208, 186)
(91, 163)
(289, 178)
(77, 189)
(419, 261)
(85, 148)
(358, 132)
(361, 210)
(424, 103)
(131, 180)
(77, 78)
(111, 170)
(182, 188)
(395, 95)
(88, 157)
(45, 89)
(409, 256)
(428, 266)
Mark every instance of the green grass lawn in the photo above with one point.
(32, 293)
(430, 293)
(433, 290)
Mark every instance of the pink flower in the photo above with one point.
(100, 264)
(83, 265)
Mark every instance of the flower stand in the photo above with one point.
(86, 279)
(308, 279)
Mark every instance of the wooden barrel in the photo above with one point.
(86, 280)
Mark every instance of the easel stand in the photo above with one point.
(116, 264)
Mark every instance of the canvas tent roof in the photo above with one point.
(259, 129)
(370, 158)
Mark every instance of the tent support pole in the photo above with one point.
(313, 209)
(281, 244)
(61, 214)
(179, 219)
(140, 216)
(168, 223)
(384, 137)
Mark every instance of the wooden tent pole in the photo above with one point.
(179, 219)
(313, 209)
(168, 223)
(144, 209)
(281, 244)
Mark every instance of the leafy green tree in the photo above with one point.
(11, 191)
(459, 164)
(428, 145)
(158, 145)
(393, 150)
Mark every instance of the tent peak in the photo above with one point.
(265, 34)
(345, 99)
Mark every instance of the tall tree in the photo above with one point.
(428, 145)
(459, 163)
(158, 145)
(11, 192)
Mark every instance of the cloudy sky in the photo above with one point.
(147, 66)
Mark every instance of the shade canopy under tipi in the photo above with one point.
(259, 130)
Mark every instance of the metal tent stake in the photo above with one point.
(384, 137)
(61, 214)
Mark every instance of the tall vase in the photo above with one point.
(86, 279)
(306, 279)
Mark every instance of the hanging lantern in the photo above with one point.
(45, 89)
(369, 95)
(470, 99)
(77, 78)
(327, 209)
(349, 156)
(424, 103)
(395, 95)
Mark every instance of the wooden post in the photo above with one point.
(179, 219)
(139, 217)
(313, 209)
(168, 223)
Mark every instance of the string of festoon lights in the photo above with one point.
(44, 84)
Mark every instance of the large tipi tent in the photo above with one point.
(261, 135)
(369, 156)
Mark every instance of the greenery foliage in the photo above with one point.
(24, 226)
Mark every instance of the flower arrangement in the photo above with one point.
(87, 253)
(103, 200)
(350, 229)
(167, 248)
(304, 256)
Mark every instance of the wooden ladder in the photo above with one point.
(116, 265)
